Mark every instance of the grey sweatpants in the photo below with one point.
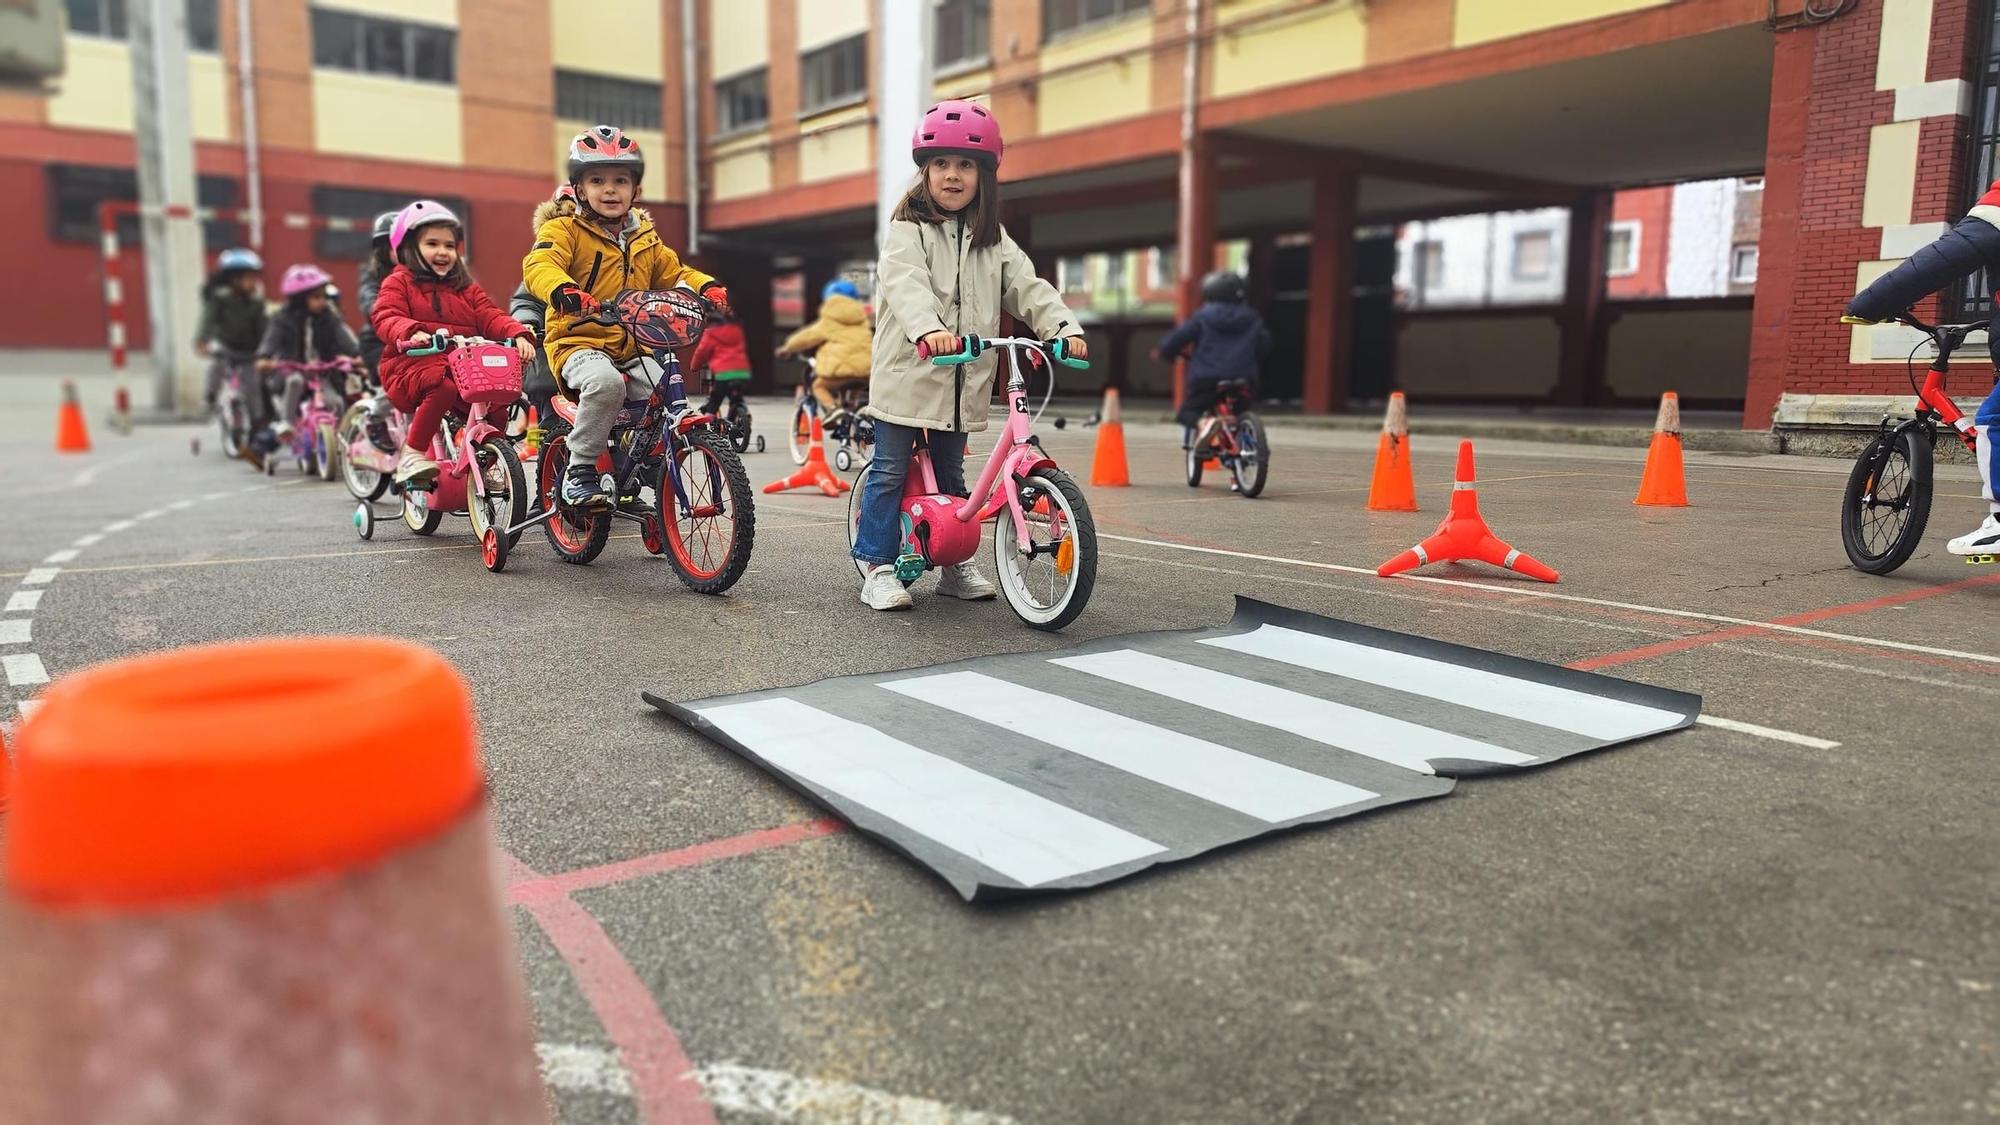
(601, 388)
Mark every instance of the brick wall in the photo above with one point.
(506, 85)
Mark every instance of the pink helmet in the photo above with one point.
(303, 278)
(420, 214)
(958, 127)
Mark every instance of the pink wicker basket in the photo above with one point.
(489, 373)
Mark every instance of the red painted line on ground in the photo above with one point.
(664, 1088)
(535, 888)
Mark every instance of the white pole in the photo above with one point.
(163, 120)
(1190, 101)
(690, 121)
(246, 95)
(905, 88)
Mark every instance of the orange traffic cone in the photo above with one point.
(71, 437)
(1464, 535)
(815, 472)
(1664, 483)
(1107, 465)
(531, 437)
(1393, 489)
(5, 770)
(286, 909)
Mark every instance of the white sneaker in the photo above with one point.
(1982, 540)
(413, 467)
(283, 432)
(883, 590)
(965, 583)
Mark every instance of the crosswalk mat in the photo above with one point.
(1047, 771)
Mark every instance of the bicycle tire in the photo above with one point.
(357, 478)
(1913, 500)
(1197, 456)
(1083, 532)
(1250, 435)
(801, 435)
(708, 576)
(516, 502)
(576, 537)
(323, 451)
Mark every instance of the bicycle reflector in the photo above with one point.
(662, 318)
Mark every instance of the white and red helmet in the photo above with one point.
(958, 127)
(303, 278)
(605, 146)
(418, 215)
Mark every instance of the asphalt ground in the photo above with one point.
(1795, 923)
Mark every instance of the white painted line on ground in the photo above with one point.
(86, 477)
(24, 601)
(1771, 733)
(24, 669)
(121, 525)
(571, 1066)
(776, 1095)
(62, 556)
(1523, 590)
(91, 540)
(14, 630)
(40, 575)
(210, 496)
(180, 505)
(151, 514)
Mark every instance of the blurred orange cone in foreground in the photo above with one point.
(1664, 483)
(256, 882)
(71, 436)
(1393, 488)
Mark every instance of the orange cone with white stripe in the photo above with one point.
(6, 771)
(1108, 467)
(257, 882)
(1464, 536)
(1664, 483)
(1394, 488)
(815, 473)
(71, 436)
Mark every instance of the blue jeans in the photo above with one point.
(878, 538)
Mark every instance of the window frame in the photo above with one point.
(1736, 253)
(1548, 264)
(979, 27)
(827, 103)
(612, 89)
(726, 128)
(1636, 230)
(71, 187)
(362, 204)
(359, 56)
(115, 15)
(1121, 10)
(1972, 299)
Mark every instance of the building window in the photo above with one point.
(1059, 16)
(1073, 274)
(106, 19)
(1975, 295)
(963, 30)
(363, 204)
(742, 102)
(76, 190)
(834, 75)
(1743, 264)
(1621, 249)
(1430, 265)
(1165, 267)
(1534, 255)
(416, 52)
(599, 99)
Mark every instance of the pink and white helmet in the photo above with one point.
(958, 127)
(420, 214)
(303, 278)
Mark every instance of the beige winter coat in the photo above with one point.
(932, 280)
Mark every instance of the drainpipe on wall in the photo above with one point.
(690, 122)
(246, 94)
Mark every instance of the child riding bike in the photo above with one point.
(948, 269)
(724, 358)
(306, 330)
(431, 293)
(1229, 339)
(586, 249)
(373, 271)
(233, 316)
(1973, 244)
(839, 342)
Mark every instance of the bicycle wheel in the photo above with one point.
(363, 482)
(504, 504)
(710, 535)
(323, 450)
(1887, 501)
(1049, 587)
(578, 537)
(418, 515)
(1197, 456)
(801, 435)
(1253, 455)
(235, 429)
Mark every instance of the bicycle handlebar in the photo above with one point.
(442, 342)
(972, 347)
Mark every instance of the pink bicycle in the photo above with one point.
(1044, 542)
(313, 429)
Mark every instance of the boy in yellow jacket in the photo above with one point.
(586, 250)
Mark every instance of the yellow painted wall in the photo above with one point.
(1319, 40)
(839, 144)
(418, 11)
(828, 21)
(652, 143)
(739, 36)
(974, 82)
(1482, 21)
(632, 47)
(95, 92)
(742, 167)
(349, 111)
(1105, 92)
(1890, 195)
(1904, 56)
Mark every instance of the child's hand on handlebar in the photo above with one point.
(526, 347)
(1077, 346)
(570, 299)
(941, 343)
(419, 340)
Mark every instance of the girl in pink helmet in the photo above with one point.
(306, 329)
(948, 269)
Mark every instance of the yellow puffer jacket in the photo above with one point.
(570, 248)
(839, 340)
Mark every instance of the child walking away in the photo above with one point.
(725, 357)
(1229, 340)
(233, 317)
(587, 248)
(369, 286)
(840, 341)
(948, 269)
(430, 294)
(306, 330)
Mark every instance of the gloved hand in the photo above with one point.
(715, 293)
(570, 299)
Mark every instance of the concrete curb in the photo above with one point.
(1726, 441)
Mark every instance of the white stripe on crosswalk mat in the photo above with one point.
(24, 670)
(1021, 835)
(1411, 746)
(1493, 692)
(14, 630)
(1270, 791)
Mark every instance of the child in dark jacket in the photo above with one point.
(1229, 341)
(233, 316)
(431, 293)
(307, 329)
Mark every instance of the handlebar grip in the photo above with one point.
(1858, 320)
(970, 348)
(1059, 350)
(435, 347)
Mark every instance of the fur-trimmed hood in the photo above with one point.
(563, 208)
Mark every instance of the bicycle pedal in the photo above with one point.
(909, 568)
(1981, 560)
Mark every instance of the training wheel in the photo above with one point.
(493, 550)
(652, 535)
(760, 443)
(1981, 560)
(364, 520)
(842, 459)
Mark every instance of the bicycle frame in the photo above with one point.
(1934, 403)
(1017, 450)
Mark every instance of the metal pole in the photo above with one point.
(690, 121)
(246, 96)
(163, 129)
(905, 87)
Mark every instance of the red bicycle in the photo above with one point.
(1234, 439)
(1888, 497)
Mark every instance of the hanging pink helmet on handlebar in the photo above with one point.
(303, 278)
(958, 126)
(420, 214)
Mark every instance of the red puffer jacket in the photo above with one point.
(409, 304)
(722, 349)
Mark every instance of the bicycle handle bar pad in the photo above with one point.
(970, 348)
(1059, 349)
